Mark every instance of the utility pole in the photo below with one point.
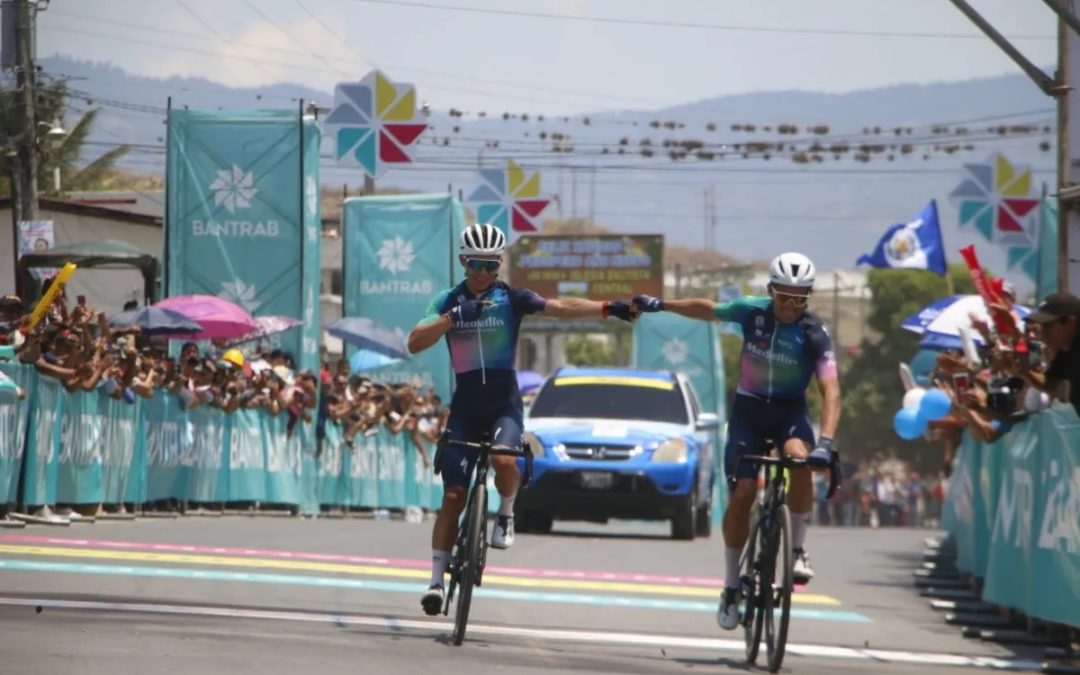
(705, 219)
(25, 118)
(592, 195)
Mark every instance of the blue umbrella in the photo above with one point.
(528, 380)
(365, 359)
(155, 321)
(367, 334)
(918, 322)
(948, 315)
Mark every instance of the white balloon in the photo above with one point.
(913, 397)
(1035, 400)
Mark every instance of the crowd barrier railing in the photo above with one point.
(86, 448)
(1013, 510)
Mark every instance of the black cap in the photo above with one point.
(1054, 307)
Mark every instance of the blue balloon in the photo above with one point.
(935, 404)
(909, 424)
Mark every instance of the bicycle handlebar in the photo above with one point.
(492, 449)
(489, 447)
(786, 462)
(783, 461)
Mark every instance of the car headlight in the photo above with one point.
(672, 450)
(536, 446)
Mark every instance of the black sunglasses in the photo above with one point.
(482, 265)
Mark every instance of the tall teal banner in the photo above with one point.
(242, 215)
(13, 421)
(1013, 509)
(666, 341)
(1046, 278)
(400, 252)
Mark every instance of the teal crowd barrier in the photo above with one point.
(1013, 509)
(88, 448)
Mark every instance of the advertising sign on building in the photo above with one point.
(598, 267)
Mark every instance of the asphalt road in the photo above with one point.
(235, 595)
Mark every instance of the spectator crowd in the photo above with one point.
(76, 346)
(1018, 370)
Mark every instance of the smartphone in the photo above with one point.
(961, 382)
(81, 300)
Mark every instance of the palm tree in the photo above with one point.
(65, 153)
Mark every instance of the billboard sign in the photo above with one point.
(598, 267)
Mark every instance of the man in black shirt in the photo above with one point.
(1057, 317)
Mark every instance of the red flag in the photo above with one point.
(1002, 319)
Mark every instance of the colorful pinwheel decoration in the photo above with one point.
(509, 198)
(996, 198)
(374, 123)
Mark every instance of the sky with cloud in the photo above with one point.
(552, 56)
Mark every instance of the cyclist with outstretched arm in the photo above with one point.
(480, 318)
(784, 346)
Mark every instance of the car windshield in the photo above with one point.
(626, 398)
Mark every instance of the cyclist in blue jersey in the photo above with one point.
(480, 318)
(784, 346)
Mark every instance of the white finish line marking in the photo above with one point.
(552, 634)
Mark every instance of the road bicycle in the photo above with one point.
(767, 563)
(466, 566)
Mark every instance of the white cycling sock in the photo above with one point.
(506, 506)
(799, 523)
(731, 570)
(439, 560)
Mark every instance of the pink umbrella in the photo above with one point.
(220, 319)
(267, 326)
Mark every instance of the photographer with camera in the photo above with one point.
(1056, 318)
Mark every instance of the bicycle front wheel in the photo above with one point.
(752, 593)
(776, 624)
(470, 567)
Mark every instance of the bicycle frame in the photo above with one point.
(469, 558)
(767, 583)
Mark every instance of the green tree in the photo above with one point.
(65, 153)
(870, 383)
(583, 350)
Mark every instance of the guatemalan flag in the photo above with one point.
(916, 245)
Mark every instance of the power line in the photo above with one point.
(225, 41)
(284, 32)
(659, 23)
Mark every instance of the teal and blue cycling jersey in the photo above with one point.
(488, 345)
(778, 360)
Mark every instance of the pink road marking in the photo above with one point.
(360, 560)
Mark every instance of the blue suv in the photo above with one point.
(619, 443)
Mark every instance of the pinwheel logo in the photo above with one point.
(997, 199)
(374, 123)
(240, 293)
(675, 351)
(509, 198)
(234, 189)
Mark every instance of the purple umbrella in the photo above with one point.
(220, 319)
(267, 326)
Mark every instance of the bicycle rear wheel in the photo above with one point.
(776, 627)
(752, 614)
(470, 567)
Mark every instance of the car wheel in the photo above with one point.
(536, 522)
(541, 522)
(682, 525)
(704, 521)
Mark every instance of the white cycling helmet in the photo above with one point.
(792, 269)
(485, 240)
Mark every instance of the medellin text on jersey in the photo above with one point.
(491, 342)
(778, 360)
